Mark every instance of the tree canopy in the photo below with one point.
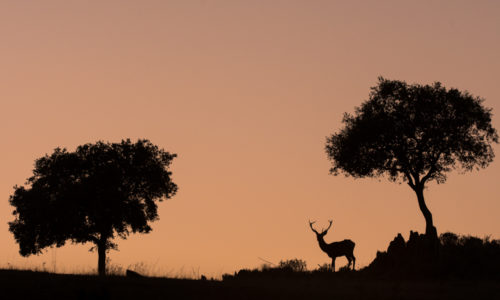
(100, 191)
(413, 133)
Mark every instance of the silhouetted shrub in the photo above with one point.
(293, 265)
(326, 267)
(449, 239)
(344, 269)
(469, 256)
(286, 268)
(449, 256)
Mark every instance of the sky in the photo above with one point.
(245, 92)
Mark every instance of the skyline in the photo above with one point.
(245, 93)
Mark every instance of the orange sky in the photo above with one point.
(245, 92)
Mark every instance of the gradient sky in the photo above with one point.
(245, 92)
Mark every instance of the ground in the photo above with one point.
(40, 285)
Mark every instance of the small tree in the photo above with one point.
(91, 195)
(413, 133)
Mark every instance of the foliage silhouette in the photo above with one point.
(413, 133)
(285, 268)
(335, 249)
(459, 257)
(325, 267)
(293, 265)
(100, 191)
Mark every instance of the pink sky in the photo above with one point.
(245, 92)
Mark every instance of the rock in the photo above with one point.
(133, 274)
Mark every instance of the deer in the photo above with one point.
(335, 249)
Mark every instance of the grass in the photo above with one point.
(113, 269)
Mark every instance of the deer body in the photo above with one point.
(335, 249)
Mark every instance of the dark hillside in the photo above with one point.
(38, 285)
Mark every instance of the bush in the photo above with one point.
(324, 268)
(451, 255)
(286, 268)
(293, 265)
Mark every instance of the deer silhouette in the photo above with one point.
(335, 249)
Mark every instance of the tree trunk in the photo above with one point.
(101, 251)
(430, 230)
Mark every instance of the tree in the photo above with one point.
(100, 191)
(414, 134)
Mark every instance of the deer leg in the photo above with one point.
(349, 261)
(353, 262)
(333, 264)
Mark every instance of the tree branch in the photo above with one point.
(94, 239)
(432, 169)
(411, 183)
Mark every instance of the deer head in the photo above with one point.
(321, 234)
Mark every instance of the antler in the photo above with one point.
(328, 226)
(311, 225)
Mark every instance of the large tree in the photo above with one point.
(415, 134)
(100, 191)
